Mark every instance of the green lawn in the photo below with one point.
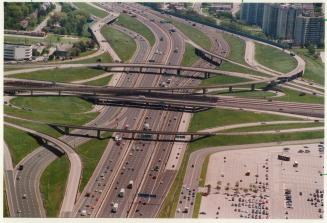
(100, 82)
(53, 104)
(197, 204)
(235, 68)
(90, 9)
(169, 206)
(105, 58)
(275, 127)
(55, 109)
(194, 34)
(43, 128)
(294, 96)
(136, 26)
(237, 48)
(246, 93)
(90, 154)
(53, 185)
(189, 57)
(122, 44)
(220, 117)
(51, 39)
(61, 75)
(314, 68)
(222, 79)
(203, 173)
(274, 59)
(20, 143)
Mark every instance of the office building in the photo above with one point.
(270, 18)
(17, 52)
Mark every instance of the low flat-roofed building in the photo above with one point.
(17, 51)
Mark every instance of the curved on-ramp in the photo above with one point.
(74, 173)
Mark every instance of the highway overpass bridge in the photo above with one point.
(135, 134)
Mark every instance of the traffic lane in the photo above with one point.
(136, 162)
(11, 193)
(27, 183)
(159, 161)
(104, 172)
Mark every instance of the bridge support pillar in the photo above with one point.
(206, 75)
(192, 137)
(204, 90)
(178, 72)
(160, 70)
(59, 93)
(31, 92)
(157, 138)
(133, 135)
(141, 69)
(230, 88)
(252, 87)
(67, 130)
(98, 134)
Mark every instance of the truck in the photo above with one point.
(121, 192)
(146, 126)
(118, 139)
(83, 212)
(114, 208)
(169, 81)
(130, 184)
(176, 50)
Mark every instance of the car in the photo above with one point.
(24, 196)
(19, 211)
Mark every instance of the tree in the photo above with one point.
(311, 49)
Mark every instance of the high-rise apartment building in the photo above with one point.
(309, 29)
(270, 18)
(252, 13)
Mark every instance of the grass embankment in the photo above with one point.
(236, 47)
(19, 142)
(90, 154)
(246, 93)
(275, 127)
(235, 68)
(53, 185)
(314, 68)
(274, 58)
(189, 57)
(61, 75)
(54, 109)
(100, 82)
(122, 44)
(50, 39)
(136, 26)
(197, 204)
(89, 9)
(43, 128)
(220, 117)
(203, 173)
(222, 79)
(194, 34)
(169, 206)
(294, 96)
(104, 58)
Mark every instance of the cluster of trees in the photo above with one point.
(14, 12)
(80, 47)
(69, 22)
